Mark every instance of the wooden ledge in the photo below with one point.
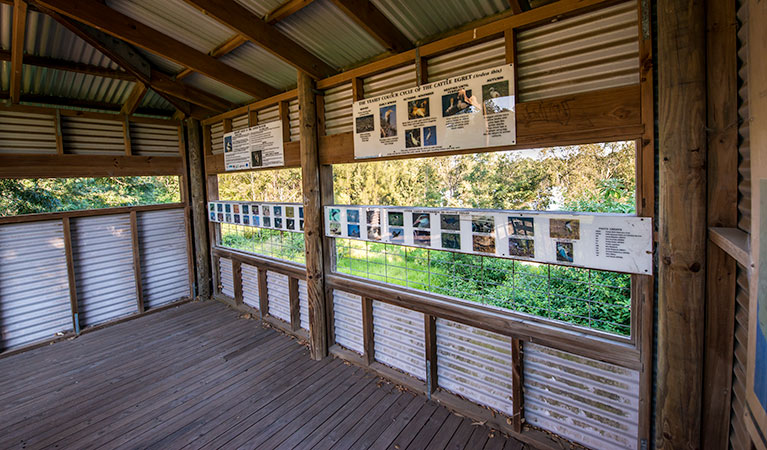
(734, 242)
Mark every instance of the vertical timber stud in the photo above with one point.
(682, 221)
(430, 333)
(368, 338)
(59, 137)
(310, 178)
(263, 293)
(722, 163)
(71, 273)
(137, 261)
(295, 304)
(517, 398)
(237, 280)
(199, 209)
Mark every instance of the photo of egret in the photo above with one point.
(277, 222)
(496, 97)
(461, 102)
(353, 230)
(421, 220)
(335, 229)
(227, 144)
(451, 241)
(365, 124)
(429, 136)
(483, 244)
(334, 215)
(397, 235)
(521, 226)
(256, 158)
(301, 225)
(565, 228)
(388, 121)
(396, 219)
(290, 224)
(352, 215)
(422, 237)
(565, 251)
(418, 109)
(413, 138)
(482, 224)
(522, 247)
(277, 210)
(374, 217)
(450, 222)
(374, 233)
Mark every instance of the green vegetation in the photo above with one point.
(595, 178)
(31, 196)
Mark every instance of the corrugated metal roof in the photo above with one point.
(58, 83)
(6, 26)
(419, 20)
(260, 7)
(343, 42)
(154, 101)
(259, 63)
(214, 87)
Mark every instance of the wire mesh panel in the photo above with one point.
(226, 276)
(164, 257)
(590, 402)
(400, 338)
(347, 320)
(475, 364)
(279, 295)
(102, 248)
(34, 291)
(250, 292)
(154, 139)
(303, 302)
(285, 245)
(27, 133)
(86, 136)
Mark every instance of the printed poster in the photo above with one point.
(255, 147)
(468, 111)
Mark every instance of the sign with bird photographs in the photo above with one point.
(614, 242)
(255, 147)
(277, 216)
(475, 110)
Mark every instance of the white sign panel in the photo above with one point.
(254, 147)
(469, 111)
(613, 242)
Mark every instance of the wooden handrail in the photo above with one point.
(27, 218)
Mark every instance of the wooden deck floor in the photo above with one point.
(196, 376)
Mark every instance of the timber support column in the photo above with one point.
(682, 221)
(313, 235)
(199, 208)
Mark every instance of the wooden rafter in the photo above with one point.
(367, 16)
(17, 48)
(91, 104)
(70, 66)
(515, 6)
(227, 47)
(289, 7)
(106, 19)
(240, 19)
(134, 99)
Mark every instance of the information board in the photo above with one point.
(468, 111)
(276, 216)
(613, 242)
(254, 147)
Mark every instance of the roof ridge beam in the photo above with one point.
(374, 22)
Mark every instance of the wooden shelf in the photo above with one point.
(734, 242)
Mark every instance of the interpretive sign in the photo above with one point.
(255, 147)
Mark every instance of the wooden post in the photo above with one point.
(137, 261)
(430, 333)
(682, 221)
(516, 385)
(310, 177)
(126, 137)
(237, 280)
(263, 293)
(368, 338)
(59, 137)
(71, 273)
(199, 209)
(295, 304)
(722, 81)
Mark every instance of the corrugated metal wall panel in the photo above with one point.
(240, 122)
(279, 295)
(587, 401)
(250, 292)
(217, 138)
(739, 437)
(338, 109)
(475, 364)
(164, 257)
(270, 114)
(347, 320)
(102, 248)
(34, 291)
(393, 80)
(84, 136)
(226, 276)
(27, 133)
(153, 139)
(467, 60)
(303, 303)
(597, 50)
(744, 141)
(295, 130)
(400, 338)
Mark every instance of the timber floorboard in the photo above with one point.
(200, 376)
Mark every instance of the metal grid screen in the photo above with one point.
(285, 245)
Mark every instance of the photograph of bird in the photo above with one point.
(388, 121)
(415, 140)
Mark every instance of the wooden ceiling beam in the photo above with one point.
(107, 20)
(82, 103)
(515, 6)
(227, 47)
(240, 19)
(17, 47)
(134, 99)
(286, 9)
(70, 66)
(367, 16)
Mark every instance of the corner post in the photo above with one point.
(199, 209)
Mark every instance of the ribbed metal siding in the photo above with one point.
(739, 437)
(103, 255)
(27, 133)
(279, 295)
(475, 364)
(597, 50)
(240, 122)
(270, 114)
(400, 338)
(85, 136)
(164, 257)
(303, 303)
(467, 60)
(250, 292)
(347, 320)
(295, 124)
(744, 144)
(393, 80)
(587, 401)
(34, 292)
(338, 109)
(226, 276)
(217, 138)
(154, 139)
